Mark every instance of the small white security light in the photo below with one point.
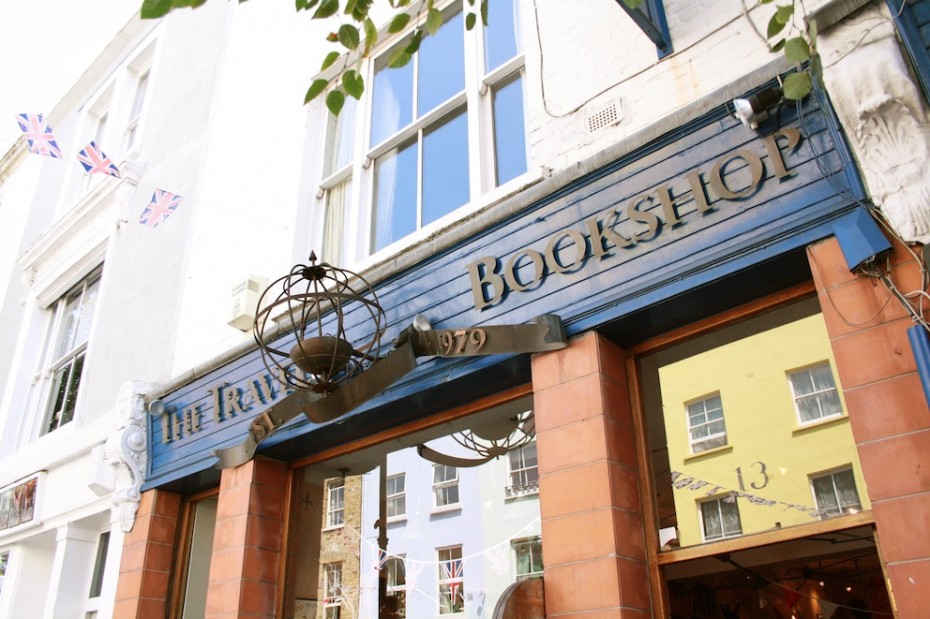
(755, 109)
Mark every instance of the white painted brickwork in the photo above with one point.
(714, 45)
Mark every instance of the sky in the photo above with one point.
(44, 48)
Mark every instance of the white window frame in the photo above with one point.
(4, 566)
(719, 502)
(795, 397)
(477, 98)
(332, 590)
(444, 557)
(841, 509)
(523, 479)
(535, 545)
(440, 487)
(397, 497)
(335, 495)
(700, 444)
(76, 353)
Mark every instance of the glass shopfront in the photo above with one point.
(760, 500)
(437, 522)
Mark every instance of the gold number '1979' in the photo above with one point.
(462, 341)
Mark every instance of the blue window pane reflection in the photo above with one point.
(445, 168)
(395, 206)
(392, 105)
(442, 65)
(501, 40)
(509, 132)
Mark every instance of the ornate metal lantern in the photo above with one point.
(489, 439)
(313, 302)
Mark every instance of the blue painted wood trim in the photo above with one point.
(915, 44)
(782, 216)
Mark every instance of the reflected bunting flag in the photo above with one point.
(95, 162)
(160, 208)
(39, 136)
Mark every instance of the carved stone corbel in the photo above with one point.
(126, 452)
(884, 116)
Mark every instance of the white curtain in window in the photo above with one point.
(334, 223)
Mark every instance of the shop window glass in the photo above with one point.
(720, 518)
(705, 424)
(332, 590)
(524, 470)
(743, 441)
(815, 395)
(529, 561)
(741, 529)
(835, 494)
(4, 561)
(202, 515)
(430, 561)
(445, 486)
(396, 498)
(335, 503)
(396, 586)
(451, 581)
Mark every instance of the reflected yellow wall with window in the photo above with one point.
(769, 455)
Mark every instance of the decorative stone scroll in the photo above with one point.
(126, 452)
(884, 115)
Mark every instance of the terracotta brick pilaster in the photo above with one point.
(247, 544)
(148, 550)
(887, 411)
(592, 522)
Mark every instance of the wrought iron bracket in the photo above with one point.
(545, 333)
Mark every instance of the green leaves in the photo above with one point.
(353, 83)
(335, 100)
(318, 86)
(153, 9)
(433, 21)
(398, 22)
(780, 19)
(327, 8)
(349, 36)
(799, 46)
(798, 85)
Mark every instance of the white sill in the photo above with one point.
(446, 509)
(334, 528)
(396, 519)
(818, 424)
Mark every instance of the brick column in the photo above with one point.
(592, 522)
(888, 413)
(148, 551)
(248, 542)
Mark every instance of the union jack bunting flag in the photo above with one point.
(39, 136)
(452, 571)
(382, 560)
(95, 162)
(160, 208)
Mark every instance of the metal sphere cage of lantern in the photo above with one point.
(310, 304)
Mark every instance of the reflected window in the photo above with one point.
(835, 494)
(335, 503)
(445, 485)
(412, 527)
(72, 318)
(396, 586)
(528, 555)
(740, 438)
(720, 518)
(4, 561)
(451, 581)
(135, 113)
(396, 497)
(815, 395)
(705, 424)
(332, 590)
(524, 471)
(198, 556)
